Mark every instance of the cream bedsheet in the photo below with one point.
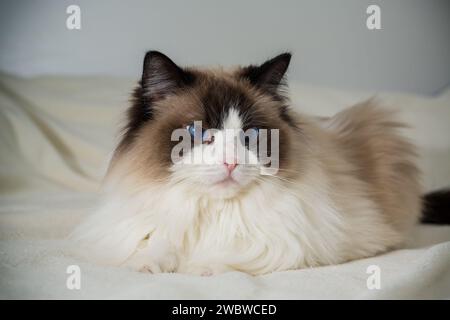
(56, 135)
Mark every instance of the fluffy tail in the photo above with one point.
(436, 208)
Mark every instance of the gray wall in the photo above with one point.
(329, 38)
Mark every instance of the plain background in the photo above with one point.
(329, 39)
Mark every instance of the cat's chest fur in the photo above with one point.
(251, 233)
(268, 229)
(257, 233)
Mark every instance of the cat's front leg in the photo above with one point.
(204, 270)
(153, 255)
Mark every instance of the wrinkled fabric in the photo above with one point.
(56, 137)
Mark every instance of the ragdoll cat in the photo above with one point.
(346, 187)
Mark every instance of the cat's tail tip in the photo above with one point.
(436, 207)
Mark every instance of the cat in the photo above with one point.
(344, 188)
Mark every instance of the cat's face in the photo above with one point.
(218, 133)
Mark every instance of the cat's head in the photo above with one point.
(167, 139)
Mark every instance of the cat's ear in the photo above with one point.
(161, 76)
(269, 75)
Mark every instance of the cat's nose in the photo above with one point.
(230, 166)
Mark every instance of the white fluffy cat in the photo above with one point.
(346, 188)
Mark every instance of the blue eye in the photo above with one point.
(249, 135)
(205, 137)
(253, 132)
(191, 129)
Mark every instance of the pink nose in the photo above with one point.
(230, 166)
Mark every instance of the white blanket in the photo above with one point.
(56, 135)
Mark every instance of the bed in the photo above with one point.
(56, 136)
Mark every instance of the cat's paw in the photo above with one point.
(166, 265)
(149, 268)
(154, 258)
(204, 271)
(207, 273)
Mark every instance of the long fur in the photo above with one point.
(347, 188)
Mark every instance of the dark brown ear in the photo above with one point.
(270, 75)
(161, 76)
